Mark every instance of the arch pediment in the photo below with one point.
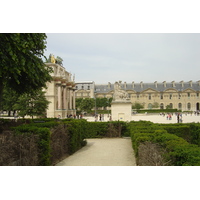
(189, 90)
(170, 90)
(149, 90)
(131, 91)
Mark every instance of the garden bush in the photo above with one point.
(77, 132)
(175, 150)
(56, 139)
(190, 132)
(158, 110)
(43, 141)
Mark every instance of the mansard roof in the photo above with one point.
(140, 87)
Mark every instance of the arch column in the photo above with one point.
(70, 99)
(74, 100)
(59, 97)
(64, 97)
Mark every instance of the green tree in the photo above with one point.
(110, 101)
(85, 104)
(169, 107)
(21, 62)
(137, 106)
(78, 104)
(155, 105)
(10, 97)
(32, 104)
(103, 102)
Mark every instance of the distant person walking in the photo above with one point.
(178, 118)
(100, 117)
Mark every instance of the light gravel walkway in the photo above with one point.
(103, 152)
(157, 118)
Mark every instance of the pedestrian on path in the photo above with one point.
(178, 118)
(100, 117)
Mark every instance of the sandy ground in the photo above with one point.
(103, 152)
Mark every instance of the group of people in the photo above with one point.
(72, 116)
(75, 116)
(101, 117)
(169, 116)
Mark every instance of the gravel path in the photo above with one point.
(156, 118)
(103, 152)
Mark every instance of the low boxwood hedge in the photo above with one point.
(43, 141)
(177, 151)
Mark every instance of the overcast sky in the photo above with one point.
(111, 57)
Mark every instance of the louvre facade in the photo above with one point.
(177, 95)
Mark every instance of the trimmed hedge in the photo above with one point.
(44, 131)
(190, 132)
(176, 150)
(172, 140)
(158, 111)
(43, 142)
(75, 131)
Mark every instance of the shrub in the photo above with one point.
(174, 150)
(43, 141)
(158, 111)
(76, 131)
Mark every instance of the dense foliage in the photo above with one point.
(175, 150)
(55, 138)
(21, 67)
(162, 144)
(87, 104)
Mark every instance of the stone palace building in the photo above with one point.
(60, 91)
(177, 95)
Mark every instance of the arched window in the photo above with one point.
(149, 106)
(180, 106)
(171, 105)
(189, 106)
(161, 106)
(197, 106)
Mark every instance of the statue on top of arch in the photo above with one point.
(57, 60)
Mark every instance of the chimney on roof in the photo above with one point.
(156, 84)
(182, 83)
(164, 83)
(190, 83)
(109, 85)
(125, 85)
(133, 84)
(141, 84)
(173, 84)
(198, 82)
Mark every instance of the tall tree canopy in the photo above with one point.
(21, 65)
